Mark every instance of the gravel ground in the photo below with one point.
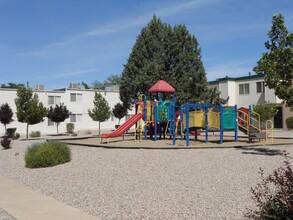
(5, 215)
(150, 183)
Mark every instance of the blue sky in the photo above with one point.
(55, 42)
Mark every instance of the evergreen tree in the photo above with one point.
(119, 111)
(28, 108)
(58, 114)
(163, 52)
(101, 112)
(277, 63)
(6, 115)
(145, 64)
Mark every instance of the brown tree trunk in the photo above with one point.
(57, 124)
(99, 128)
(27, 130)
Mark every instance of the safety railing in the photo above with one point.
(249, 120)
(255, 120)
(270, 128)
(243, 120)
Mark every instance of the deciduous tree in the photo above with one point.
(29, 109)
(110, 81)
(277, 63)
(101, 112)
(119, 111)
(58, 114)
(266, 111)
(6, 114)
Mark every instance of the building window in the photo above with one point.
(50, 122)
(54, 100)
(243, 88)
(75, 117)
(75, 97)
(260, 87)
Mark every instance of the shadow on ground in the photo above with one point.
(261, 151)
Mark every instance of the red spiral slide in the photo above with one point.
(124, 127)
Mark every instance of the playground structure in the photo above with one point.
(155, 116)
(210, 117)
(152, 115)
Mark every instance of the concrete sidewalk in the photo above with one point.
(26, 204)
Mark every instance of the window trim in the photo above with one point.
(262, 87)
(78, 118)
(54, 100)
(244, 89)
(78, 97)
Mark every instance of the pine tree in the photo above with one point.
(163, 52)
(28, 108)
(101, 112)
(277, 64)
(145, 65)
(6, 115)
(58, 114)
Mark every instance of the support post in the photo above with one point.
(250, 114)
(181, 123)
(236, 123)
(187, 123)
(155, 120)
(206, 124)
(173, 123)
(145, 117)
(173, 118)
(221, 124)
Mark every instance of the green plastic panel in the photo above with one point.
(229, 119)
(163, 114)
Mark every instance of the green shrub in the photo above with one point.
(274, 195)
(70, 128)
(16, 136)
(289, 122)
(5, 142)
(74, 134)
(10, 132)
(47, 154)
(34, 134)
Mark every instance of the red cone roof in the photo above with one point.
(161, 86)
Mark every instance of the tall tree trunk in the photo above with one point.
(99, 128)
(119, 121)
(57, 124)
(27, 130)
(5, 128)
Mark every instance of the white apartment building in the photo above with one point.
(250, 90)
(77, 100)
(243, 91)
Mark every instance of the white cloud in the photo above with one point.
(231, 69)
(183, 6)
(126, 24)
(166, 11)
(67, 74)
